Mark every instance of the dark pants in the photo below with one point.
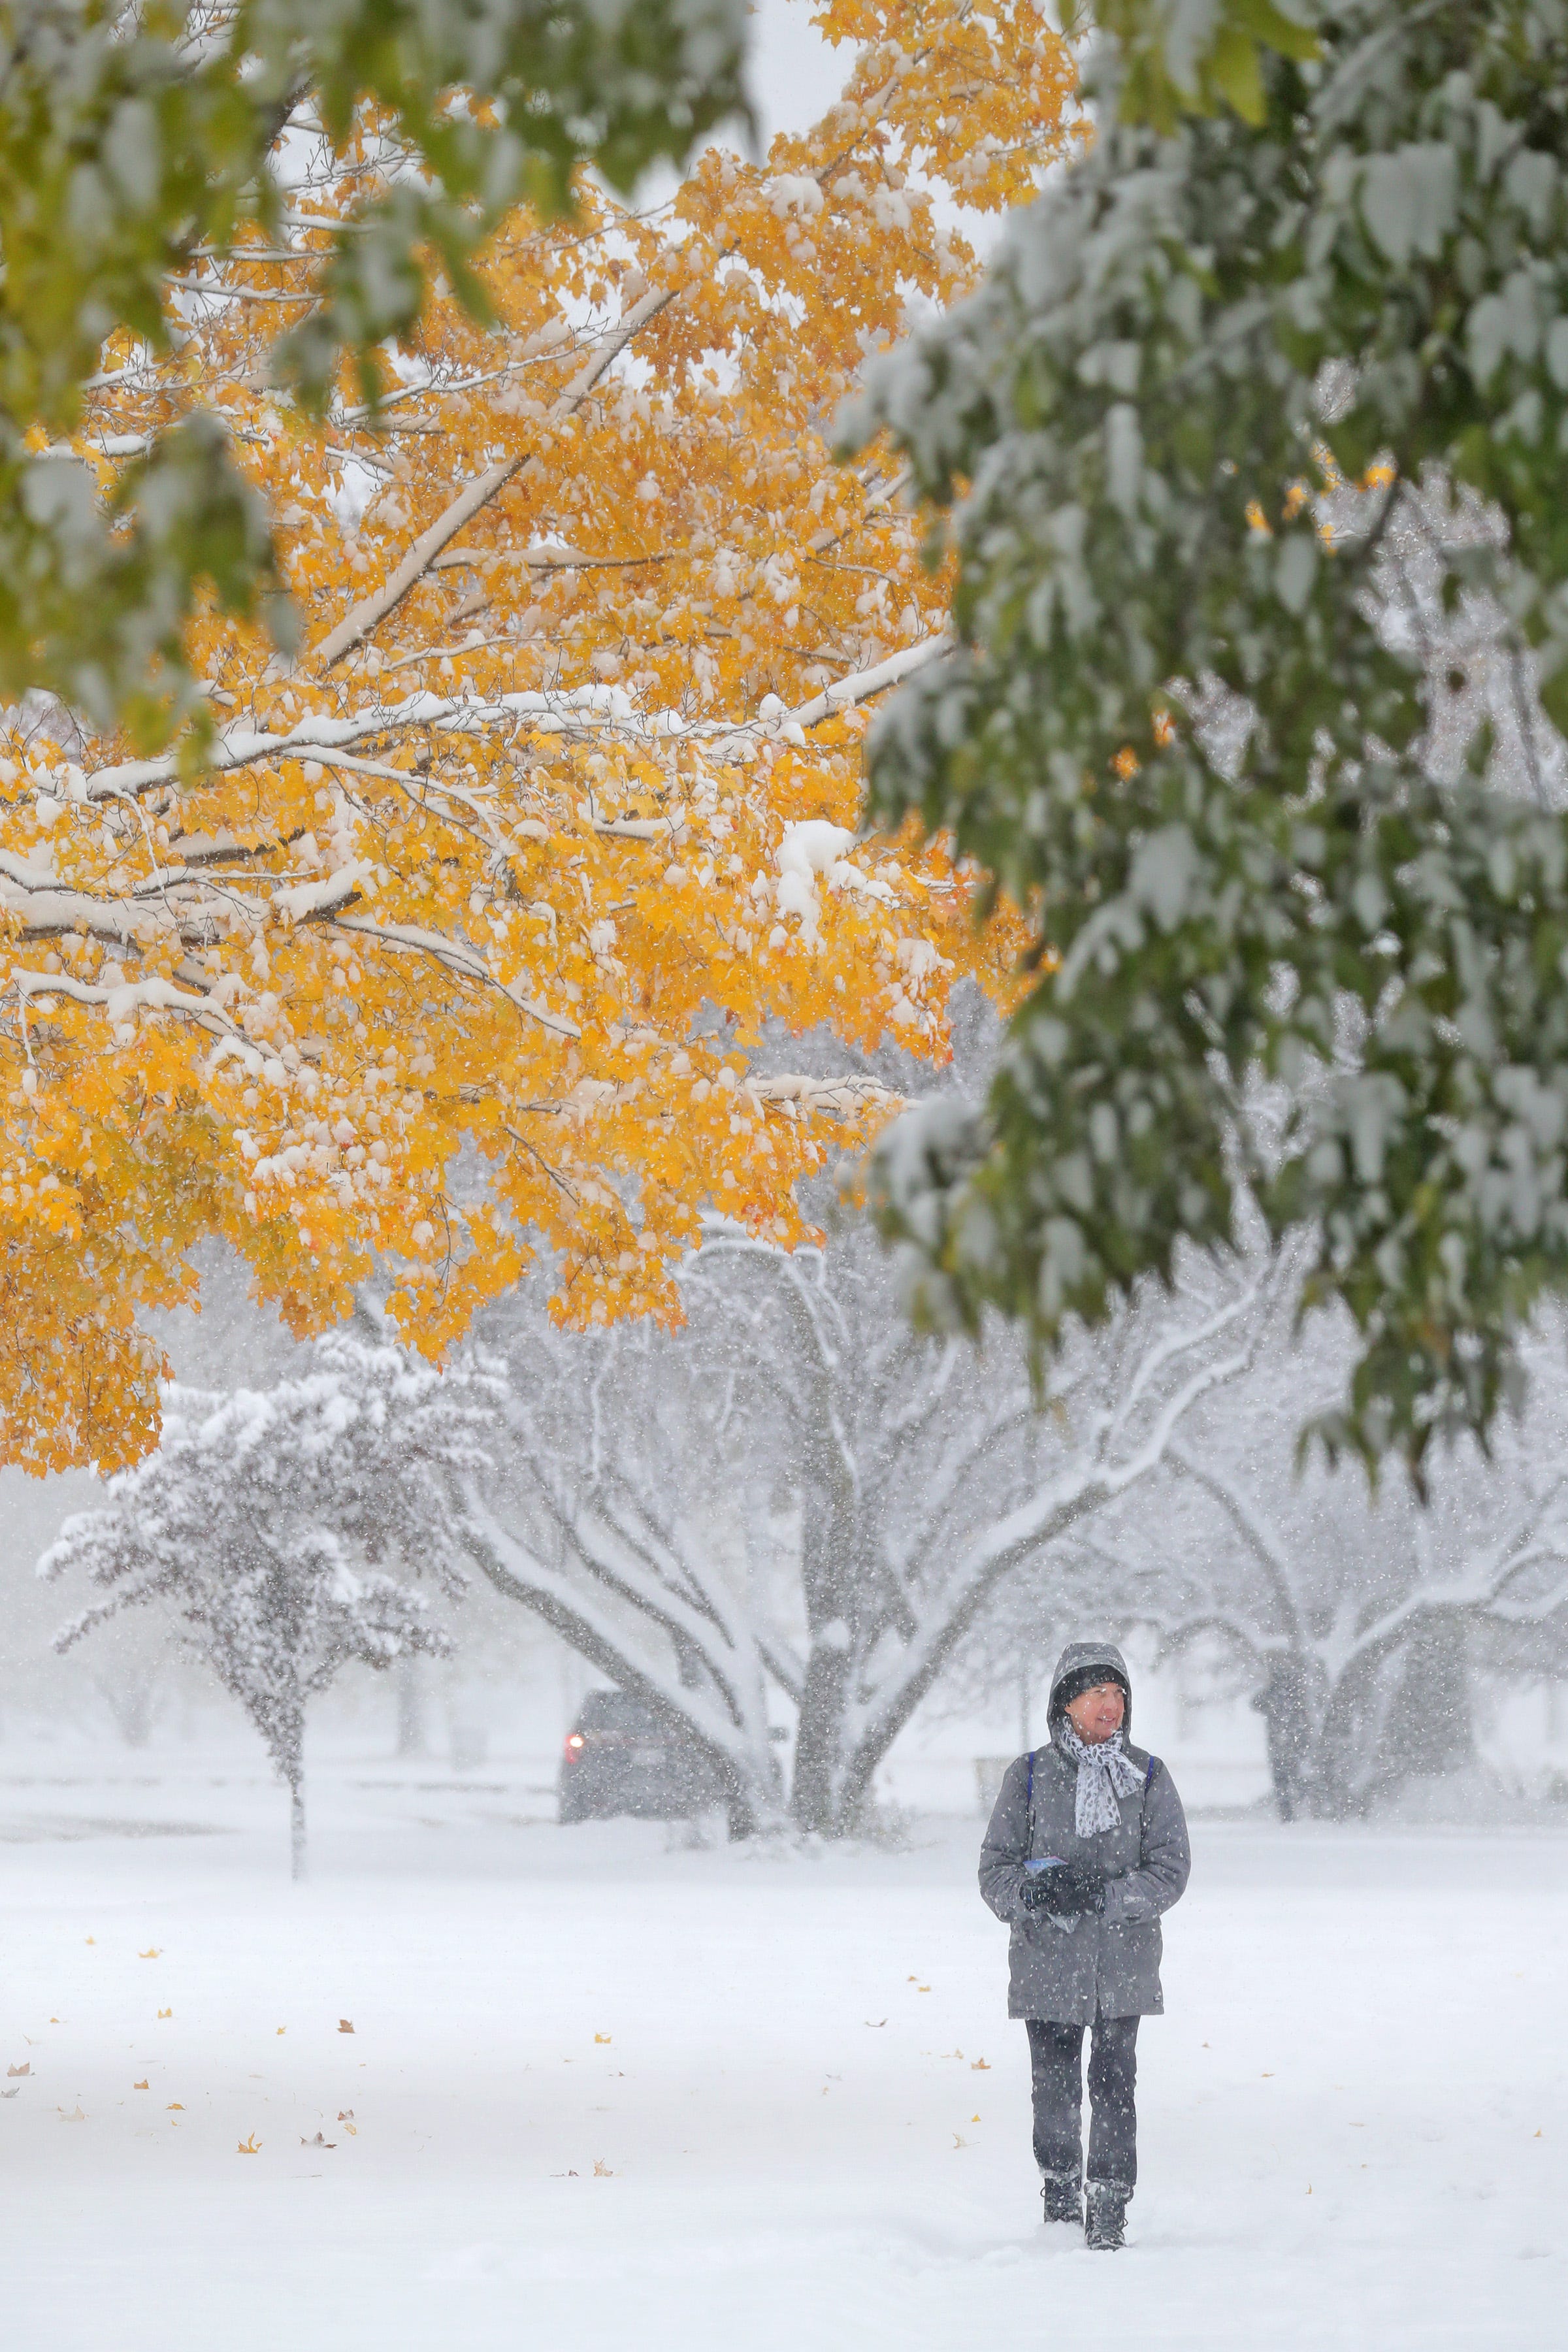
(1056, 2067)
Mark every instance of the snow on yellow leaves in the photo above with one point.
(506, 876)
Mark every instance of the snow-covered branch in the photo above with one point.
(367, 615)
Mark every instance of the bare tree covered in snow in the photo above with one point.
(798, 1495)
(263, 1521)
(1352, 1616)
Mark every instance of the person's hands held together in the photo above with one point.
(1068, 1887)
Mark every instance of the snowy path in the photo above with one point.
(1354, 2125)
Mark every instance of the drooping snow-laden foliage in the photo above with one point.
(144, 142)
(1223, 382)
(556, 808)
(798, 1500)
(1193, 56)
(1353, 1621)
(269, 1523)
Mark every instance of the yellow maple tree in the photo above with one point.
(454, 939)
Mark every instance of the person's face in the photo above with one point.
(1096, 1714)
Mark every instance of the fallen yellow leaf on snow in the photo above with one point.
(92, 1939)
(600, 2037)
(151, 1954)
(141, 2087)
(283, 2029)
(980, 2066)
(251, 2147)
(175, 2107)
(602, 2170)
(24, 2068)
(166, 2012)
(75, 2116)
(345, 2025)
(959, 2143)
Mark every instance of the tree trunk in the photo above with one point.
(405, 1681)
(297, 1828)
(1350, 1750)
(815, 1792)
(1284, 1704)
(1432, 1729)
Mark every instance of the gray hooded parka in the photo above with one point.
(1108, 1963)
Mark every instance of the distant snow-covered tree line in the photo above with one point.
(789, 1516)
(791, 1520)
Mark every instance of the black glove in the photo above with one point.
(1071, 1886)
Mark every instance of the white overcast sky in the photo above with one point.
(795, 75)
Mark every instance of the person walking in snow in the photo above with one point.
(1086, 1847)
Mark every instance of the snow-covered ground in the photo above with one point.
(618, 2094)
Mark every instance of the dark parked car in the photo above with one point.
(621, 1758)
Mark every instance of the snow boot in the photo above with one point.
(1061, 2196)
(1106, 2228)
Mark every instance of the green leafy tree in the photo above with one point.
(143, 140)
(1254, 449)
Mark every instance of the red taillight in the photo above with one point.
(574, 1746)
